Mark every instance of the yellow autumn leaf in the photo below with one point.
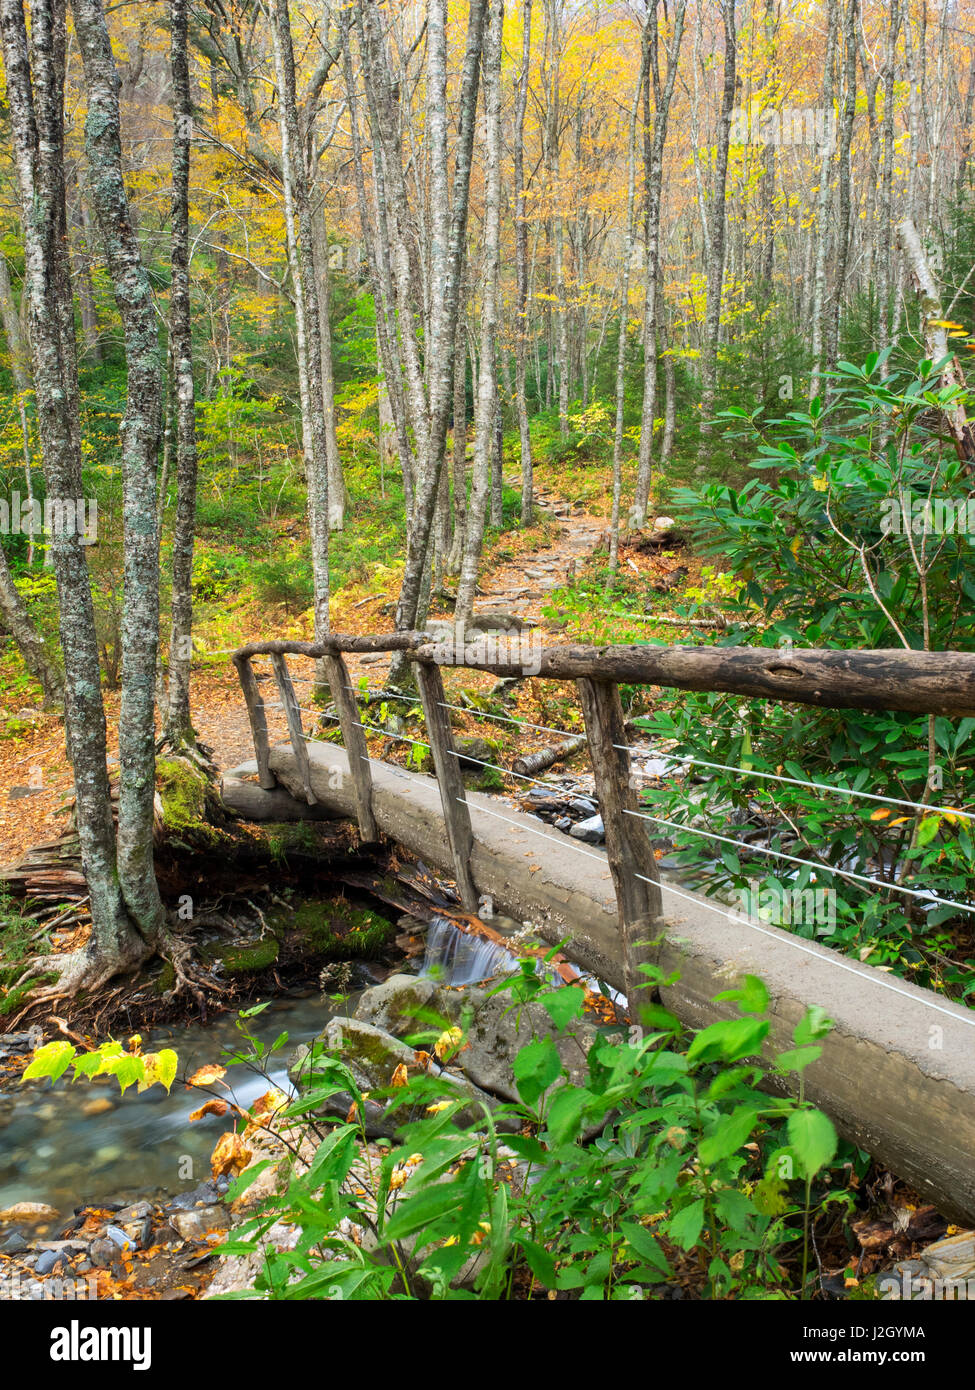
(158, 1066)
(400, 1076)
(207, 1075)
(212, 1107)
(230, 1156)
(447, 1042)
(882, 814)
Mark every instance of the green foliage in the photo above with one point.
(691, 1162)
(815, 553)
(130, 1068)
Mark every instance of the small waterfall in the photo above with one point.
(459, 958)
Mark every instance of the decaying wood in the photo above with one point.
(920, 682)
(252, 802)
(456, 813)
(545, 757)
(258, 720)
(628, 848)
(337, 674)
(293, 716)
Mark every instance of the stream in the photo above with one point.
(82, 1142)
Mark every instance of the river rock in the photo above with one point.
(372, 1055)
(590, 832)
(121, 1239)
(48, 1260)
(33, 1213)
(496, 1033)
(194, 1225)
(950, 1262)
(103, 1252)
(14, 1245)
(136, 1212)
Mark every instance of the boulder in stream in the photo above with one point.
(496, 1032)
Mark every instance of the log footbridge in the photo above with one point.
(897, 1072)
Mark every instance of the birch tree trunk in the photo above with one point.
(179, 728)
(297, 210)
(140, 439)
(521, 272)
(821, 236)
(654, 172)
(628, 240)
(487, 383)
(35, 97)
(845, 194)
(718, 230)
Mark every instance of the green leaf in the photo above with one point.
(751, 996)
(645, 1245)
(684, 1228)
(728, 1135)
(927, 830)
(51, 1060)
(730, 1039)
(813, 1138)
(563, 1005)
(540, 1262)
(423, 1210)
(536, 1067)
(566, 1111)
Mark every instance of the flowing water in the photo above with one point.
(83, 1142)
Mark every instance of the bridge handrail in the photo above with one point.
(893, 679)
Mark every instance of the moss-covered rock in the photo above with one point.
(186, 794)
(340, 931)
(249, 957)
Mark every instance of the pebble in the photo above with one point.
(120, 1238)
(48, 1260)
(99, 1106)
(103, 1252)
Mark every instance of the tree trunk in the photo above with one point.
(35, 97)
(179, 728)
(628, 240)
(654, 184)
(521, 272)
(717, 231)
(487, 384)
(297, 209)
(140, 438)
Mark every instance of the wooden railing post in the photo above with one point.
(355, 743)
(255, 713)
(457, 816)
(292, 714)
(628, 848)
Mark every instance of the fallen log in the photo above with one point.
(894, 679)
(252, 802)
(545, 757)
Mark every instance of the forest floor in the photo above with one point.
(524, 576)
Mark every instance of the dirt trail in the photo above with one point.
(520, 587)
(35, 780)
